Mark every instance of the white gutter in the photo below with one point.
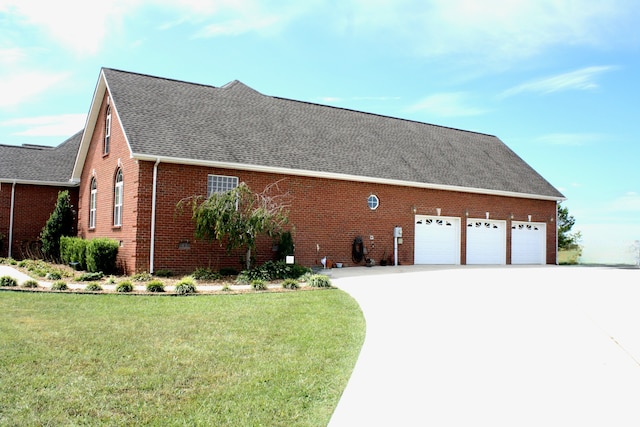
(153, 216)
(341, 176)
(13, 200)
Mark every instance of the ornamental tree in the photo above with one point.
(60, 223)
(237, 217)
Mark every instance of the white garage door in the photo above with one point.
(486, 241)
(528, 243)
(437, 240)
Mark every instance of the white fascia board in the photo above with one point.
(101, 88)
(339, 176)
(45, 183)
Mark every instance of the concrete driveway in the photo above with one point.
(494, 346)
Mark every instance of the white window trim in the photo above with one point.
(93, 204)
(107, 131)
(223, 183)
(118, 195)
(370, 199)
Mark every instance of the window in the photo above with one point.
(107, 129)
(117, 199)
(373, 202)
(221, 184)
(92, 203)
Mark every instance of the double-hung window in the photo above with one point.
(221, 184)
(117, 199)
(107, 131)
(93, 203)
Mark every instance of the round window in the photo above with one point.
(373, 202)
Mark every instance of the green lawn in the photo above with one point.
(263, 359)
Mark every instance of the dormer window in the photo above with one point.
(107, 129)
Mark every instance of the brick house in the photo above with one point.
(30, 178)
(459, 197)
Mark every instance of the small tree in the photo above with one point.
(60, 223)
(236, 218)
(566, 239)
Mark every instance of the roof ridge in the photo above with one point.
(383, 116)
(159, 78)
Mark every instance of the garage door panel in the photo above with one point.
(528, 243)
(437, 240)
(486, 242)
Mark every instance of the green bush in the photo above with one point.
(30, 284)
(206, 274)
(163, 273)
(155, 286)
(319, 281)
(8, 281)
(273, 270)
(89, 277)
(186, 285)
(53, 275)
(73, 251)
(228, 271)
(290, 284)
(101, 255)
(142, 277)
(258, 285)
(93, 287)
(124, 286)
(285, 246)
(60, 285)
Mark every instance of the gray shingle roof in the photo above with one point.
(39, 164)
(236, 124)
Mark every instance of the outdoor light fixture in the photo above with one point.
(413, 209)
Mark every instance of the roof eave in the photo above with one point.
(340, 176)
(70, 184)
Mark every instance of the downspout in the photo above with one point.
(153, 216)
(13, 202)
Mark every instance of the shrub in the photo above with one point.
(163, 273)
(89, 277)
(258, 285)
(8, 281)
(155, 286)
(101, 255)
(73, 251)
(59, 224)
(59, 285)
(30, 284)
(273, 270)
(142, 277)
(290, 284)
(124, 286)
(53, 275)
(111, 280)
(206, 274)
(285, 246)
(319, 281)
(228, 271)
(93, 287)
(185, 286)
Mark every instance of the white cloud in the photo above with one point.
(61, 125)
(20, 87)
(582, 79)
(496, 31)
(452, 104)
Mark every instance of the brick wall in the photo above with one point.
(33, 205)
(103, 168)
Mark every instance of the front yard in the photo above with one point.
(272, 359)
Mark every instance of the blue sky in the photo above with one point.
(558, 81)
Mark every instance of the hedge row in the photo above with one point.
(92, 255)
